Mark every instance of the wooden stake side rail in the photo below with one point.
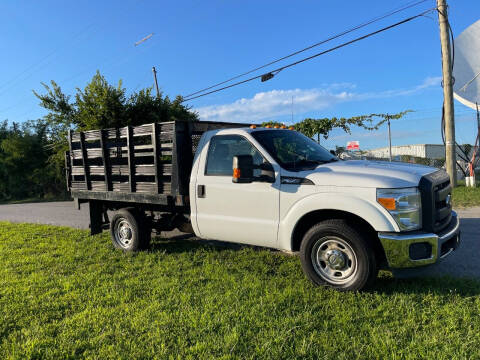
(128, 160)
(150, 163)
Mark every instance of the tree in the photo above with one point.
(24, 171)
(101, 105)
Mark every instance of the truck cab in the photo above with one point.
(277, 188)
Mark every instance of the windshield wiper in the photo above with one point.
(304, 162)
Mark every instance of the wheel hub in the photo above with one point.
(123, 233)
(336, 259)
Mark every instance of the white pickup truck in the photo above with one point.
(275, 188)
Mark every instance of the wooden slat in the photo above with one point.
(85, 161)
(96, 170)
(94, 153)
(148, 170)
(146, 187)
(131, 164)
(155, 156)
(143, 147)
(166, 126)
(78, 170)
(106, 160)
(142, 130)
(119, 170)
(166, 136)
(111, 133)
(76, 154)
(68, 170)
(79, 185)
(120, 186)
(71, 158)
(98, 186)
(92, 135)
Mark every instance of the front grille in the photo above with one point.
(443, 207)
(436, 192)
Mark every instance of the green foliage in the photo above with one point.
(323, 126)
(466, 196)
(67, 295)
(101, 105)
(24, 169)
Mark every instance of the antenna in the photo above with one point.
(467, 66)
(466, 88)
(144, 39)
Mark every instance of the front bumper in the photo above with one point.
(401, 254)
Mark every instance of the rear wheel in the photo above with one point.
(127, 230)
(335, 254)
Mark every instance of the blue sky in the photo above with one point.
(198, 43)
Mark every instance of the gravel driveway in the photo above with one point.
(462, 263)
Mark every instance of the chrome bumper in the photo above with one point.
(398, 250)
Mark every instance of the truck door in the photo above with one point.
(243, 213)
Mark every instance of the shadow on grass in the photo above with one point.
(385, 284)
(188, 242)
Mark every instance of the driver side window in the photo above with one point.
(223, 148)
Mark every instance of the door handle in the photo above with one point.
(201, 191)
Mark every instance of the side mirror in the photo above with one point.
(242, 169)
(333, 152)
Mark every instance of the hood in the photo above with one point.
(365, 173)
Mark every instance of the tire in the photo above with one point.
(127, 230)
(334, 254)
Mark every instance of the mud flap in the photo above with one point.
(96, 212)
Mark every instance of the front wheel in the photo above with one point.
(335, 254)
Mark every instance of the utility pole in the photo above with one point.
(156, 83)
(450, 150)
(389, 139)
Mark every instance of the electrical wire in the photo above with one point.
(369, 22)
(276, 71)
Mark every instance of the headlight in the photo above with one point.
(405, 205)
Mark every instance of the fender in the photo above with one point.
(370, 211)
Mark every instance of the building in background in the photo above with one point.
(425, 151)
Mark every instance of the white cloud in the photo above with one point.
(274, 103)
(427, 83)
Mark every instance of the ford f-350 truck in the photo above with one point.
(269, 187)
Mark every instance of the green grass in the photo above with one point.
(64, 294)
(466, 196)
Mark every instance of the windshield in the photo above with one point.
(293, 150)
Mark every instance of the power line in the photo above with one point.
(276, 71)
(333, 37)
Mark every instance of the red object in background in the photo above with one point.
(353, 145)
